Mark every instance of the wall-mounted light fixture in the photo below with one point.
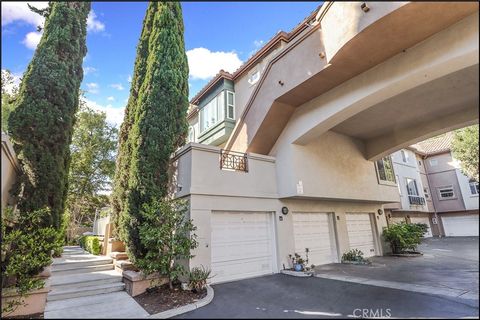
(284, 210)
(364, 7)
(321, 55)
(380, 212)
(280, 82)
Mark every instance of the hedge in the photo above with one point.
(91, 244)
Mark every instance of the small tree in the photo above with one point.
(167, 236)
(9, 95)
(465, 149)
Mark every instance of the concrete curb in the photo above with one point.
(438, 291)
(186, 308)
(300, 274)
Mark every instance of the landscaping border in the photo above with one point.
(186, 308)
(300, 274)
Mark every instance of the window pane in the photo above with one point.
(412, 187)
(221, 106)
(381, 170)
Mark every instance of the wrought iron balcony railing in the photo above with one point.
(416, 200)
(231, 160)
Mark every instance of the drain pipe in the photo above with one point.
(433, 202)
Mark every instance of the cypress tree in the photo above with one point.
(41, 125)
(155, 124)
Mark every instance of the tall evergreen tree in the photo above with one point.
(41, 125)
(155, 120)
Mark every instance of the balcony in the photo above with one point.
(231, 160)
(416, 200)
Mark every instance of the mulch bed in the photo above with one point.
(162, 298)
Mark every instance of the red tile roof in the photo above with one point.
(281, 35)
(438, 144)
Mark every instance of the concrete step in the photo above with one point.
(85, 279)
(84, 269)
(69, 263)
(119, 255)
(81, 291)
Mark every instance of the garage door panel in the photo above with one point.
(314, 231)
(460, 226)
(242, 245)
(360, 233)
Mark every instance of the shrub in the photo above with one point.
(167, 237)
(26, 249)
(91, 244)
(198, 277)
(354, 255)
(404, 236)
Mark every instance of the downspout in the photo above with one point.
(433, 202)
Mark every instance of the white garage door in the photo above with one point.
(422, 220)
(242, 245)
(457, 226)
(315, 231)
(360, 234)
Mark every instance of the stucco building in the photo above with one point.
(290, 152)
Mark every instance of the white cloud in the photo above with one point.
(117, 86)
(92, 87)
(89, 70)
(93, 24)
(129, 79)
(114, 115)
(111, 98)
(32, 39)
(19, 11)
(204, 64)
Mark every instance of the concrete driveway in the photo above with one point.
(454, 260)
(448, 265)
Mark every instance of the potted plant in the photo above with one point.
(298, 262)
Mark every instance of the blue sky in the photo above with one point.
(217, 35)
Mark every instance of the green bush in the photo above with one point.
(197, 278)
(354, 255)
(168, 237)
(91, 244)
(27, 247)
(404, 237)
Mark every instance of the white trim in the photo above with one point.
(228, 105)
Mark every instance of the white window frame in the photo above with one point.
(439, 190)
(398, 184)
(416, 187)
(218, 113)
(475, 184)
(380, 180)
(228, 105)
(191, 134)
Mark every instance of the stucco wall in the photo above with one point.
(331, 167)
(9, 171)
(404, 170)
(202, 206)
(442, 174)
